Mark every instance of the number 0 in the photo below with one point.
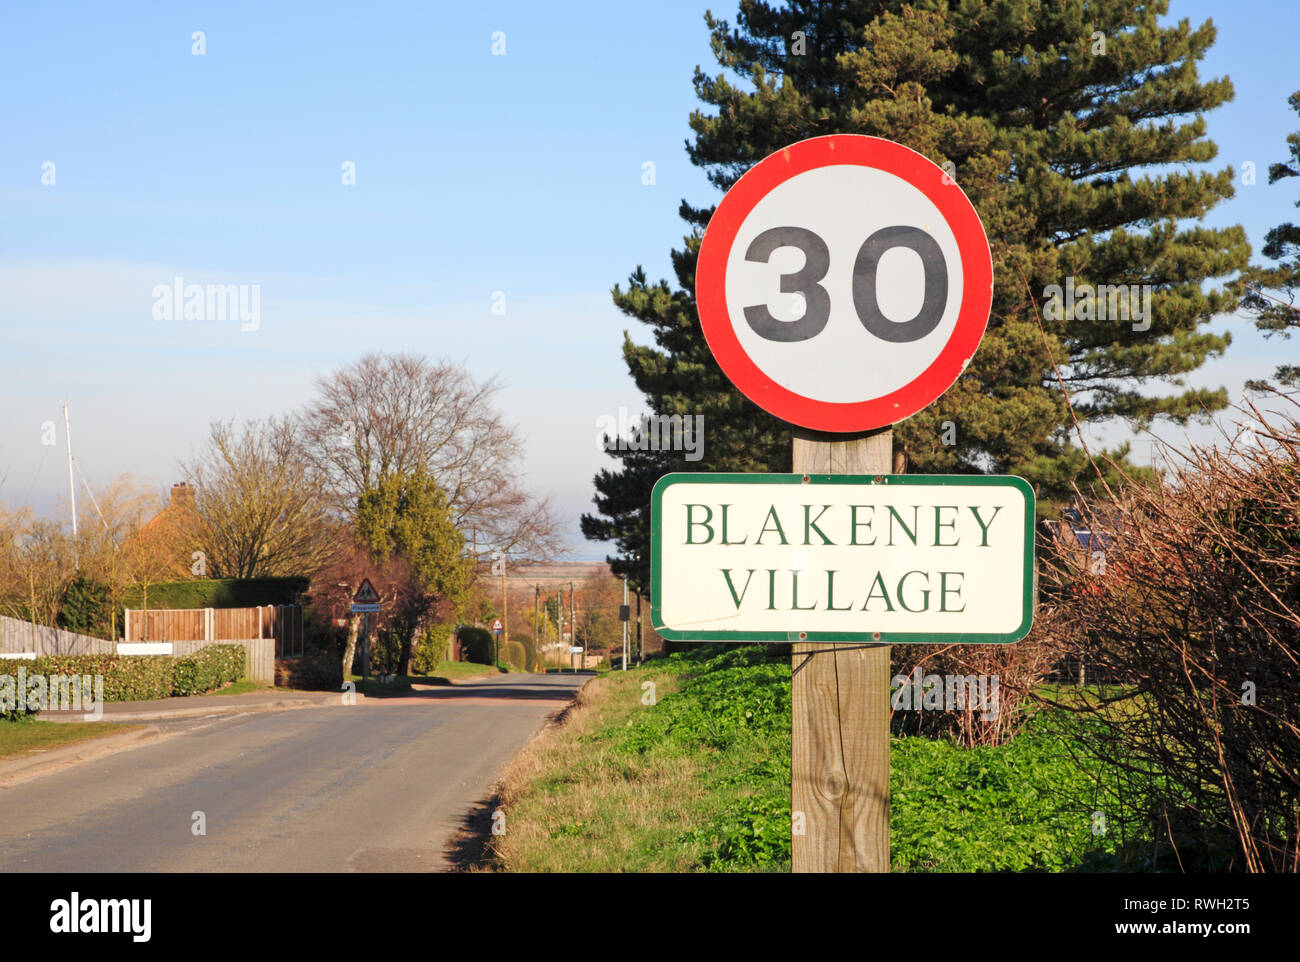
(866, 302)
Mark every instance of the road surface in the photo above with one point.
(378, 786)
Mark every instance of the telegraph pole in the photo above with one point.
(505, 603)
(573, 621)
(625, 624)
(537, 639)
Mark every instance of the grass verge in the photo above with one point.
(680, 765)
(244, 686)
(20, 738)
(684, 765)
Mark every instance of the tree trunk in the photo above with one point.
(408, 647)
(350, 652)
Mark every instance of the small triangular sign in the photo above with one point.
(366, 594)
(497, 626)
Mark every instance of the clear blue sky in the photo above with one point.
(474, 173)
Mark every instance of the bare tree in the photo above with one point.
(35, 567)
(261, 508)
(390, 413)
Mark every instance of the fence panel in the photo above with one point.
(16, 636)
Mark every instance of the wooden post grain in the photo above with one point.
(839, 753)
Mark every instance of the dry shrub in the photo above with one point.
(1197, 617)
(1019, 669)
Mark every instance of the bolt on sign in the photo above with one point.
(842, 558)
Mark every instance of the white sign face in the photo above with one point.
(888, 559)
(841, 207)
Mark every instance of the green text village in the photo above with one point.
(869, 586)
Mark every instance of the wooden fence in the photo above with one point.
(18, 636)
(283, 623)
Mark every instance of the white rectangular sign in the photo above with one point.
(144, 648)
(887, 559)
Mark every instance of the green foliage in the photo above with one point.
(86, 607)
(126, 677)
(314, 670)
(431, 649)
(208, 668)
(1024, 806)
(476, 645)
(147, 677)
(220, 593)
(1080, 164)
(734, 700)
(515, 654)
(408, 515)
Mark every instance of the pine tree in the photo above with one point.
(1270, 292)
(1061, 119)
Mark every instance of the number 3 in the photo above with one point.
(817, 262)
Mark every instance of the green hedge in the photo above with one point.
(220, 593)
(146, 677)
(431, 649)
(476, 645)
(515, 654)
(208, 668)
(126, 677)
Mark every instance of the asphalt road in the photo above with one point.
(379, 786)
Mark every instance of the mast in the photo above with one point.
(72, 488)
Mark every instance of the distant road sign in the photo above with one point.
(889, 559)
(844, 282)
(575, 650)
(360, 608)
(366, 594)
(497, 626)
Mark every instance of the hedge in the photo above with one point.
(476, 645)
(431, 649)
(208, 668)
(147, 677)
(221, 593)
(515, 654)
(126, 677)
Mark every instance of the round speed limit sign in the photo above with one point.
(844, 283)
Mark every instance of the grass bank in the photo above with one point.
(684, 765)
(680, 765)
(19, 738)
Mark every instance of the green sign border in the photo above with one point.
(880, 638)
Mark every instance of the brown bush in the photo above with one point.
(1197, 615)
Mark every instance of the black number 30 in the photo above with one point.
(817, 261)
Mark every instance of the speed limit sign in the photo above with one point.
(844, 283)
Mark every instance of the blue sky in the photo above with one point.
(474, 173)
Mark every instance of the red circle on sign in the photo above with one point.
(740, 201)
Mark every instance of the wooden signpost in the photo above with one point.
(843, 284)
